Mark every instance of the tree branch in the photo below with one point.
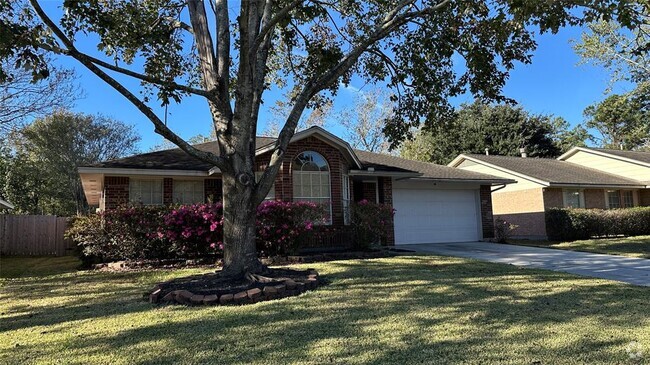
(160, 126)
(390, 22)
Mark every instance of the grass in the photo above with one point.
(638, 246)
(402, 310)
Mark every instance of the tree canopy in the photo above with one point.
(38, 170)
(500, 129)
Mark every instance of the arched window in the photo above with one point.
(311, 180)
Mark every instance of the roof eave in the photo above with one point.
(323, 133)
(462, 157)
(383, 173)
(468, 180)
(598, 186)
(575, 150)
(144, 172)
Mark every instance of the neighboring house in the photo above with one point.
(5, 205)
(581, 178)
(433, 203)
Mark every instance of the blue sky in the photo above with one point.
(552, 84)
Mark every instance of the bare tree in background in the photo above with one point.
(22, 99)
(364, 122)
(280, 111)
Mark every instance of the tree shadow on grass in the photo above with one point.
(403, 310)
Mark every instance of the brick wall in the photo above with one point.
(369, 191)
(644, 197)
(116, 191)
(594, 198)
(168, 191)
(553, 198)
(487, 218)
(212, 188)
(335, 160)
(524, 208)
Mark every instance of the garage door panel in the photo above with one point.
(435, 215)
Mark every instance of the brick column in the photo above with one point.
(168, 191)
(116, 191)
(386, 195)
(644, 197)
(212, 188)
(487, 218)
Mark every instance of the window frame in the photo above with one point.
(200, 183)
(298, 172)
(133, 181)
(581, 197)
(616, 193)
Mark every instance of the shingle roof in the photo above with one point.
(555, 171)
(172, 159)
(176, 159)
(633, 155)
(383, 162)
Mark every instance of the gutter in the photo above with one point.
(151, 172)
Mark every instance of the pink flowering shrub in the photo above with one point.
(280, 224)
(370, 223)
(194, 230)
(186, 231)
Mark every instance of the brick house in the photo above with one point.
(433, 203)
(581, 178)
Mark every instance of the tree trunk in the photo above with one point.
(239, 210)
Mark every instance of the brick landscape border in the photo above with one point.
(265, 291)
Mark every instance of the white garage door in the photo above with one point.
(435, 215)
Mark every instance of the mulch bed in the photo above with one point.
(214, 289)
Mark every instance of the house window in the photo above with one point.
(271, 194)
(146, 191)
(613, 199)
(619, 199)
(311, 180)
(627, 198)
(188, 191)
(573, 198)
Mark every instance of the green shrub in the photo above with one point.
(569, 224)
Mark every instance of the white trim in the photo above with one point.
(148, 172)
(323, 133)
(462, 157)
(575, 150)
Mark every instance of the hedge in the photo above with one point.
(570, 224)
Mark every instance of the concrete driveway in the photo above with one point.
(626, 269)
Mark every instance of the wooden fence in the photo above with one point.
(34, 235)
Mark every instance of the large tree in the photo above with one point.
(622, 121)
(308, 46)
(501, 129)
(41, 168)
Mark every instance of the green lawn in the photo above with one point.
(402, 310)
(638, 246)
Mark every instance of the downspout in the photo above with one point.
(499, 188)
